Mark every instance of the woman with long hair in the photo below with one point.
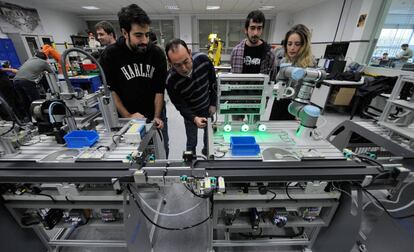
(297, 53)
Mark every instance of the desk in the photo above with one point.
(320, 95)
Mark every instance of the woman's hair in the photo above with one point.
(304, 56)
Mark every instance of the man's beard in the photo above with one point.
(138, 49)
(254, 40)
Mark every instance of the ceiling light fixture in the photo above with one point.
(267, 7)
(90, 7)
(212, 7)
(172, 7)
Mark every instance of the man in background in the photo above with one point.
(92, 42)
(106, 33)
(27, 79)
(253, 55)
(405, 54)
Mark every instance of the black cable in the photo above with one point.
(372, 161)
(377, 177)
(9, 130)
(274, 196)
(385, 209)
(168, 228)
(287, 192)
(46, 195)
(103, 146)
(160, 134)
(113, 140)
(67, 199)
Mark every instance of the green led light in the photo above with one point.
(227, 128)
(299, 131)
(245, 128)
(261, 127)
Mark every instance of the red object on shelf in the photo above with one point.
(89, 67)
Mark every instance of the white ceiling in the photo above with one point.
(402, 7)
(111, 7)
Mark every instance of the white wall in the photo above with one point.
(282, 23)
(322, 20)
(58, 24)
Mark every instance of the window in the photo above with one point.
(397, 29)
(390, 41)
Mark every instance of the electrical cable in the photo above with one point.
(9, 130)
(287, 192)
(168, 214)
(10, 111)
(365, 158)
(388, 212)
(390, 201)
(160, 134)
(274, 196)
(113, 140)
(67, 199)
(378, 176)
(347, 193)
(169, 228)
(46, 195)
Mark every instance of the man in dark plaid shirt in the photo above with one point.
(253, 55)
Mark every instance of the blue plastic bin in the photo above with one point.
(244, 146)
(90, 83)
(81, 138)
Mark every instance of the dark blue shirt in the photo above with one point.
(193, 95)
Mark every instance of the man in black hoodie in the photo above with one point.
(136, 69)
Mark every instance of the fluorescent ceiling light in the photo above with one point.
(172, 7)
(212, 7)
(267, 7)
(90, 7)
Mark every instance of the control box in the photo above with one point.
(135, 133)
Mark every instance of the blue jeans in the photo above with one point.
(191, 131)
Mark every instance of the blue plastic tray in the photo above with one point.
(244, 146)
(81, 138)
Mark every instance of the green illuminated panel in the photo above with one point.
(261, 137)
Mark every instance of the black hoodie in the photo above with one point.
(135, 78)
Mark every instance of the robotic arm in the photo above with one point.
(300, 106)
(214, 50)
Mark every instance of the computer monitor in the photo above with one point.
(336, 51)
(79, 41)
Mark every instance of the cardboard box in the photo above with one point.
(342, 96)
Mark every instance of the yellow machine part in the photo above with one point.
(214, 50)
